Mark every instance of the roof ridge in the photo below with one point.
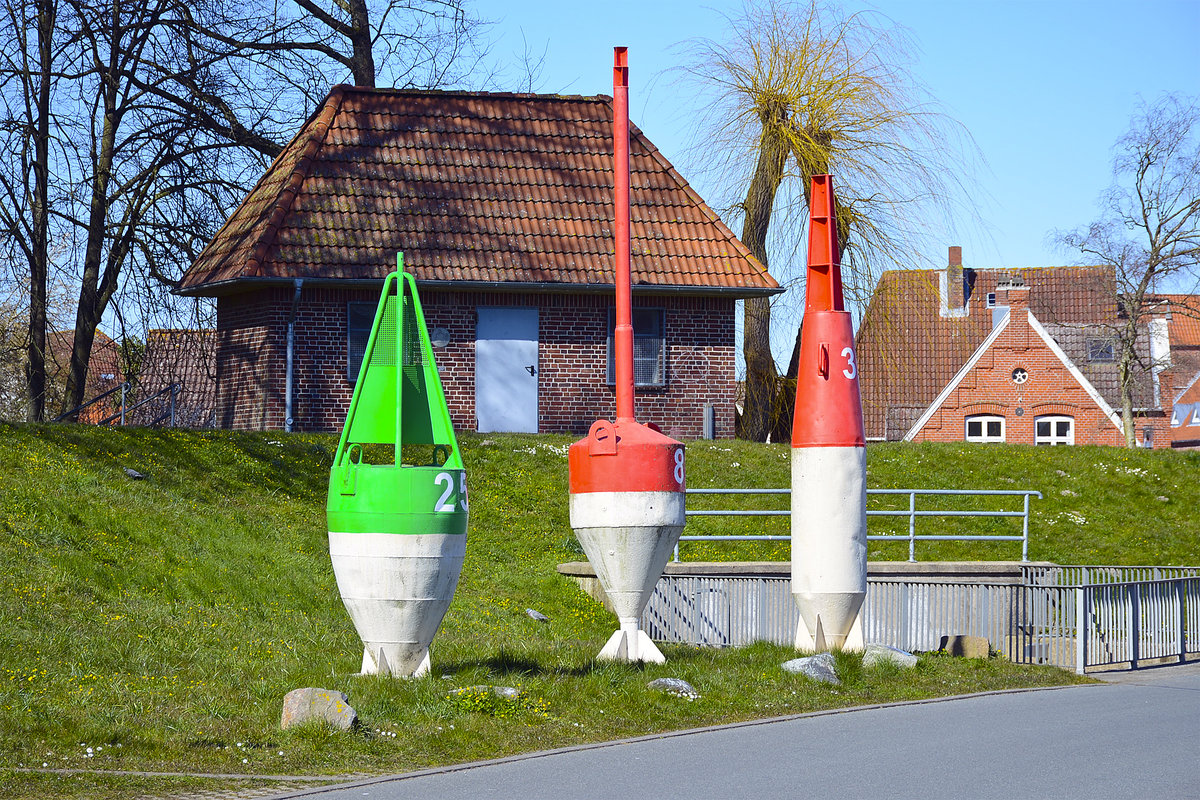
(348, 89)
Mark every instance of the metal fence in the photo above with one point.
(1080, 627)
(733, 611)
(912, 513)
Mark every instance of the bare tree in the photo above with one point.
(139, 124)
(804, 89)
(1149, 228)
(26, 87)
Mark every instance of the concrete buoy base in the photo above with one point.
(631, 644)
(378, 663)
(812, 636)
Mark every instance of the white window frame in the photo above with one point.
(983, 436)
(1054, 438)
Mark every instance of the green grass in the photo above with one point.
(161, 621)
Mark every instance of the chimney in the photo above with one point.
(954, 280)
(1013, 292)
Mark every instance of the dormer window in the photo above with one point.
(991, 299)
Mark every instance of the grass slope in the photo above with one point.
(159, 622)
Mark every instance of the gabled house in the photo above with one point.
(1005, 355)
(502, 205)
(105, 373)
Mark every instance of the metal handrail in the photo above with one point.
(123, 389)
(173, 388)
(912, 513)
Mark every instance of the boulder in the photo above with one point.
(818, 668)
(325, 705)
(675, 686)
(882, 654)
(965, 646)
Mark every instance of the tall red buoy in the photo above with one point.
(626, 479)
(829, 462)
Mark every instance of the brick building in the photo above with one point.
(502, 205)
(1021, 356)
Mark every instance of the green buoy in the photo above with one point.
(397, 507)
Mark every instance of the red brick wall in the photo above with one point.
(1050, 389)
(245, 351)
(572, 388)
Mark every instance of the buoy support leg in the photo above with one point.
(631, 644)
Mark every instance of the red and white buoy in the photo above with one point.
(626, 479)
(829, 462)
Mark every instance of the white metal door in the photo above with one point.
(506, 369)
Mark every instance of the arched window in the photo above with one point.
(985, 428)
(1053, 430)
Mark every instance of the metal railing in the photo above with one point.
(172, 389)
(123, 389)
(1085, 627)
(1130, 623)
(912, 513)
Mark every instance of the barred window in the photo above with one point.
(649, 347)
(359, 318)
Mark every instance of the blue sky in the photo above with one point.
(1044, 88)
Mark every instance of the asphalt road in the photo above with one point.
(1138, 736)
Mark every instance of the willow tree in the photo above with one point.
(805, 89)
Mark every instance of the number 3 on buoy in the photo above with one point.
(851, 368)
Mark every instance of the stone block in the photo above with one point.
(324, 705)
(965, 646)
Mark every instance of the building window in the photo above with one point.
(359, 318)
(649, 347)
(1100, 350)
(1148, 437)
(1054, 430)
(985, 428)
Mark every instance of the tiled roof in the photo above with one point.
(1184, 327)
(1104, 374)
(472, 187)
(908, 350)
(186, 357)
(104, 373)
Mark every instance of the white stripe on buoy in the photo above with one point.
(397, 588)
(829, 545)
